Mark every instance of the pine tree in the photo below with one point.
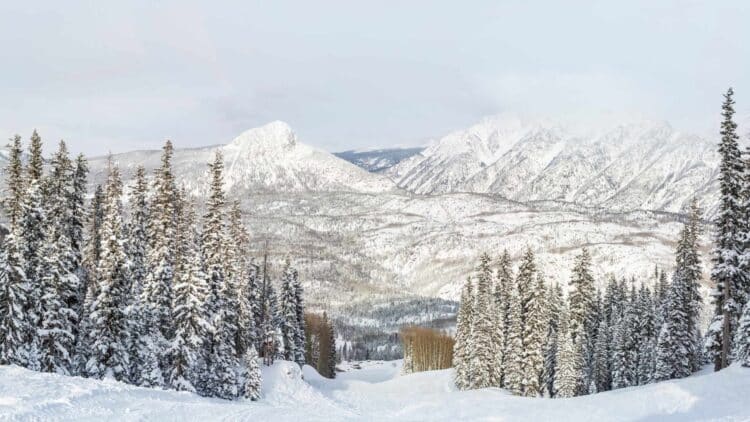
(483, 373)
(461, 347)
(14, 320)
(535, 331)
(14, 180)
(678, 354)
(161, 236)
(647, 337)
(582, 310)
(59, 272)
(602, 370)
(554, 307)
(191, 325)
(221, 354)
(728, 275)
(569, 372)
(89, 287)
(503, 285)
(31, 242)
(253, 377)
(624, 354)
(108, 331)
(288, 312)
(742, 338)
(514, 348)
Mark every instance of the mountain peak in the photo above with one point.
(276, 134)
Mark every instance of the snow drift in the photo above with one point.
(375, 392)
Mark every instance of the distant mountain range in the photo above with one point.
(378, 160)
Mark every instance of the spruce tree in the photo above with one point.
(535, 331)
(188, 310)
(15, 324)
(14, 181)
(221, 353)
(288, 312)
(253, 375)
(582, 309)
(514, 376)
(483, 372)
(569, 372)
(108, 331)
(462, 345)
(728, 274)
(554, 307)
(161, 236)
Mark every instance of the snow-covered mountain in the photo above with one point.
(638, 164)
(264, 159)
(378, 160)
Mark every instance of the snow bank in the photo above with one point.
(377, 391)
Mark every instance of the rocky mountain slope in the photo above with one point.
(638, 164)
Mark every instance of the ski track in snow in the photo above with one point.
(377, 392)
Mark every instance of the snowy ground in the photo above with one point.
(374, 392)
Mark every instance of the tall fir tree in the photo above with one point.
(108, 331)
(535, 332)
(583, 322)
(15, 182)
(483, 372)
(158, 282)
(221, 354)
(728, 274)
(15, 324)
(462, 345)
(192, 328)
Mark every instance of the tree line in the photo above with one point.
(155, 296)
(516, 331)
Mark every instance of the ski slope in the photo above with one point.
(374, 393)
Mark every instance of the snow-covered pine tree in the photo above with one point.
(554, 307)
(742, 338)
(583, 310)
(157, 286)
(535, 333)
(108, 332)
(59, 272)
(249, 308)
(14, 320)
(15, 183)
(503, 285)
(462, 345)
(602, 370)
(191, 326)
(288, 313)
(514, 347)
(728, 275)
(252, 374)
(222, 360)
(299, 337)
(625, 340)
(89, 288)
(646, 329)
(483, 373)
(139, 347)
(31, 242)
(677, 354)
(569, 371)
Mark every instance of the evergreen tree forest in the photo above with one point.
(517, 332)
(139, 288)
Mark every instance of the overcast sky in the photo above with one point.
(355, 74)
